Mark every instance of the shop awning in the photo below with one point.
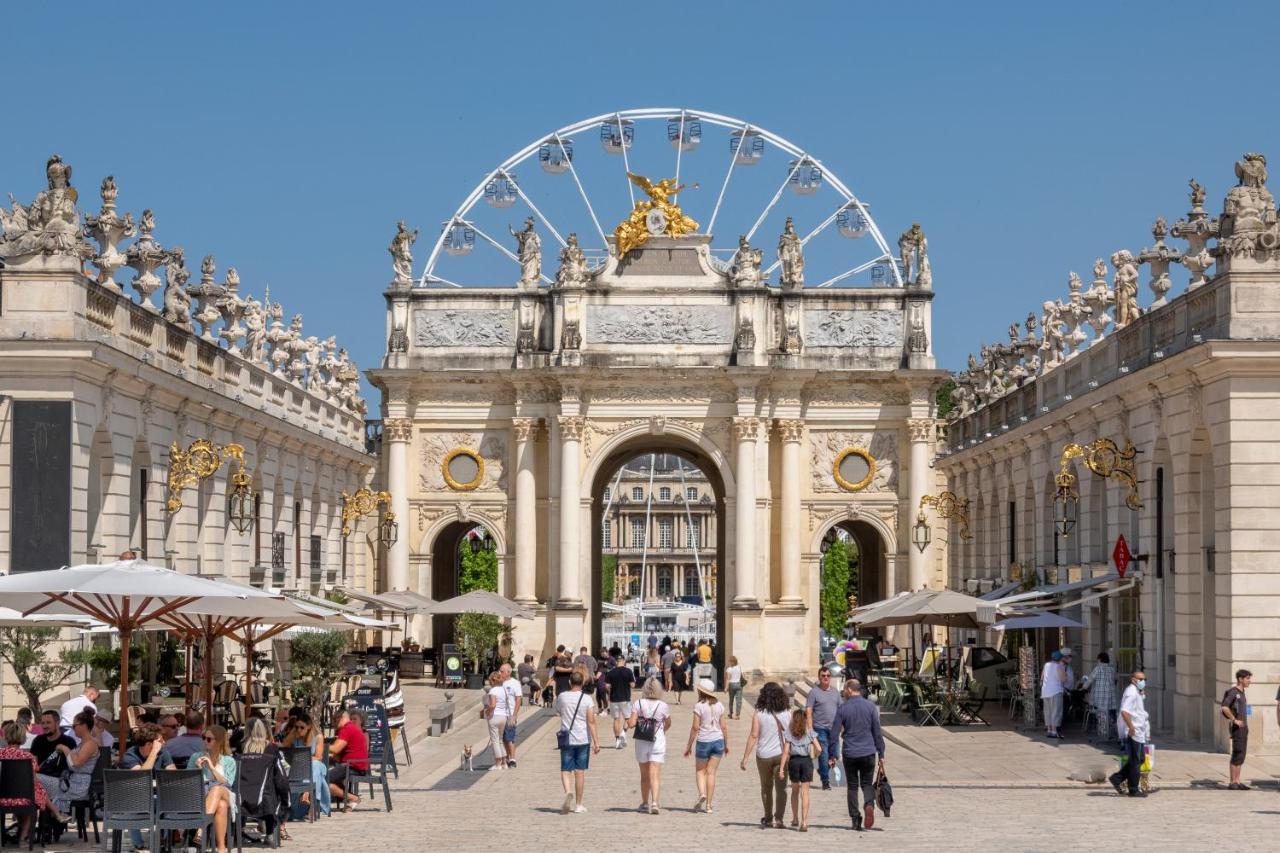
(1000, 592)
(1057, 596)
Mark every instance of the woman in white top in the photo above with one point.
(1052, 687)
(578, 719)
(495, 712)
(712, 740)
(651, 754)
(733, 684)
(772, 716)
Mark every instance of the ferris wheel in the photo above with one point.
(739, 179)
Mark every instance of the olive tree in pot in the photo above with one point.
(317, 663)
(30, 652)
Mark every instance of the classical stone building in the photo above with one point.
(97, 386)
(1188, 389)
(514, 407)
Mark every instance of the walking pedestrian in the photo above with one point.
(1134, 725)
(510, 699)
(495, 715)
(578, 719)
(617, 685)
(857, 739)
(712, 740)
(525, 672)
(733, 684)
(820, 712)
(797, 757)
(653, 667)
(1052, 688)
(651, 741)
(1101, 684)
(678, 677)
(771, 717)
(1235, 707)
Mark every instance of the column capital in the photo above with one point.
(920, 429)
(571, 427)
(397, 429)
(524, 428)
(746, 429)
(790, 430)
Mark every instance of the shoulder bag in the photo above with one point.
(646, 727)
(562, 736)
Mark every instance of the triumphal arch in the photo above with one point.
(806, 397)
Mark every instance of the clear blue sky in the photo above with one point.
(287, 138)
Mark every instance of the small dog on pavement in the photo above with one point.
(465, 763)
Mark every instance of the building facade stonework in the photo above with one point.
(1192, 381)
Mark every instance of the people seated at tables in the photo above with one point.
(349, 751)
(30, 731)
(264, 784)
(65, 790)
(72, 707)
(191, 741)
(305, 733)
(45, 745)
(102, 731)
(218, 769)
(148, 750)
(15, 734)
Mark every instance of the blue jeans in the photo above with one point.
(575, 757)
(705, 751)
(824, 739)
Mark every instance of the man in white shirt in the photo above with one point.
(1132, 721)
(71, 707)
(509, 699)
(1052, 688)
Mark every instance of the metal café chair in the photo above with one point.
(127, 803)
(377, 772)
(18, 782)
(180, 805)
(300, 779)
(86, 810)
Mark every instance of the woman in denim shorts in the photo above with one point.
(578, 717)
(712, 742)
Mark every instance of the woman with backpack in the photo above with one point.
(650, 718)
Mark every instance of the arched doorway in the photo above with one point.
(657, 545)
(868, 566)
(462, 559)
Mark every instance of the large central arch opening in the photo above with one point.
(658, 546)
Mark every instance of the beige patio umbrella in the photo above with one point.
(933, 607)
(10, 618)
(480, 601)
(125, 595)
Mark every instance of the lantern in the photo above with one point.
(684, 132)
(555, 156)
(388, 529)
(501, 191)
(1065, 503)
(240, 502)
(459, 238)
(851, 221)
(616, 135)
(805, 176)
(920, 533)
(746, 146)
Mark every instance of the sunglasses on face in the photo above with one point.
(208, 739)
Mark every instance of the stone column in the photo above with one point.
(526, 520)
(790, 431)
(396, 433)
(744, 433)
(568, 593)
(920, 432)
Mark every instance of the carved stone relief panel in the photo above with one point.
(856, 393)
(829, 328)
(435, 447)
(659, 324)
(827, 447)
(463, 327)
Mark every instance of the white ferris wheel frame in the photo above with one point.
(559, 136)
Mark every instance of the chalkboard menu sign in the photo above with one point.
(40, 502)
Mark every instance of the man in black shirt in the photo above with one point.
(617, 683)
(1235, 707)
(44, 746)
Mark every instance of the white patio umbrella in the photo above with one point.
(480, 601)
(10, 618)
(125, 594)
(933, 607)
(1033, 619)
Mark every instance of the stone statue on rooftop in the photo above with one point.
(1249, 221)
(529, 251)
(573, 264)
(401, 254)
(791, 254)
(1126, 288)
(745, 269)
(254, 332)
(177, 302)
(52, 220)
(913, 248)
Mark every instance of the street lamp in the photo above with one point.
(388, 529)
(920, 533)
(240, 502)
(948, 505)
(1065, 502)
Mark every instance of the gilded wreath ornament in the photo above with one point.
(448, 475)
(860, 484)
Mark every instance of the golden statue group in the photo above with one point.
(657, 216)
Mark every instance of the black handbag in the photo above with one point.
(562, 736)
(646, 727)
(884, 792)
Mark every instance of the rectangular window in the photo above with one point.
(142, 512)
(257, 528)
(637, 493)
(40, 485)
(664, 493)
(606, 533)
(606, 495)
(693, 534)
(277, 551)
(664, 533)
(637, 532)
(297, 540)
(691, 582)
(664, 583)
(1013, 534)
(691, 493)
(314, 564)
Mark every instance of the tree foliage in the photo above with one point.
(943, 398)
(478, 635)
(316, 659)
(105, 660)
(30, 652)
(834, 603)
(478, 570)
(608, 576)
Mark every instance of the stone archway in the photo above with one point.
(446, 569)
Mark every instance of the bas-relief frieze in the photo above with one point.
(827, 445)
(827, 328)
(462, 327)
(859, 393)
(659, 324)
(677, 392)
(434, 446)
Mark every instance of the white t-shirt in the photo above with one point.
(658, 711)
(71, 707)
(709, 714)
(733, 675)
(575, 721)
(507, 694)
(1050, 680)
(769, 744)
(1132, 702)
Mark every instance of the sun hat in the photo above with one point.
(707, 686)
(1066, 653)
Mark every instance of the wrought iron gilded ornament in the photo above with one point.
(849, 485)
(199, 462)
(950, 505)
(1105, 458)
(663, 215)
(363, 502)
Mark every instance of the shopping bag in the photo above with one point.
(1148, 758)
(884, 792)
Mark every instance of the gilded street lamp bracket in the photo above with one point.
(950, 505)
(200, 461)
(1105, 459)
(363, 502)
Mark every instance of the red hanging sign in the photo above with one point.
(1121, 556)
